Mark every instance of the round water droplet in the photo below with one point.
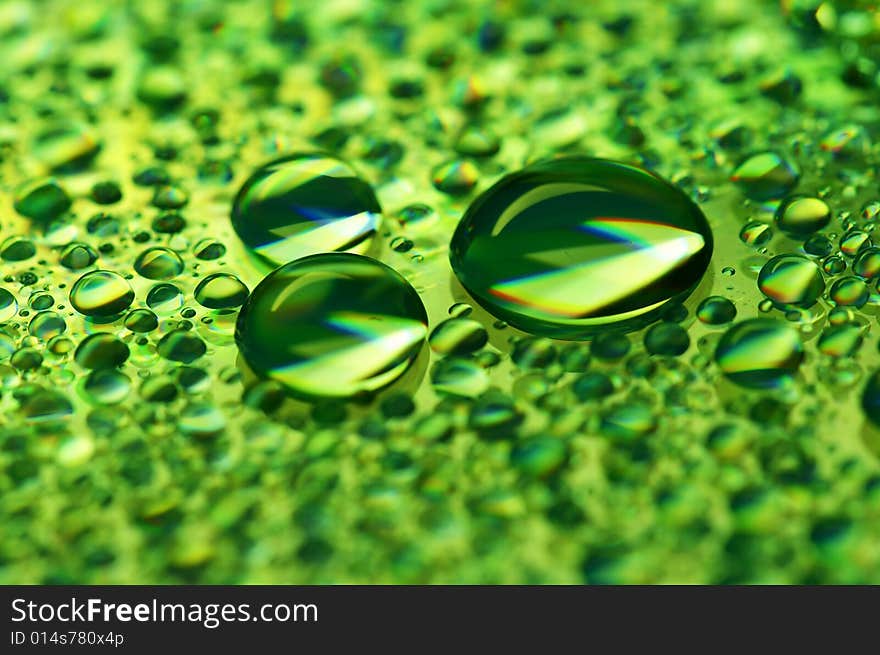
(834, 265)
(101, 294)
(800, 216)
(459, 377)
(756, 234)
(867, 263)
(716, 310)
(667, 339)
(101, 350)
(164, 298)
(106, 386)
(221, 291)
(158, 264)
(8, 305)
(765, 176)
(458, 336)
(791, 281)
(332, 325)
(850, 291)
(567, 247)
(840, 340)
(818, 245)
(42, 201)
(759, 353)
(305, 204)
(46, 325)
(77, 256)
(854, 241)
(181, 346)
(141, 320)
(455, 178)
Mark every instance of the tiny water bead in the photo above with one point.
(332, 325)
(791, 281)
(801, 216)
(568, 247)
(759, 353)
(304, 204)
(101, 294)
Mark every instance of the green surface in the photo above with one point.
(734, 440)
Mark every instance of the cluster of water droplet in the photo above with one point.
(275, 309)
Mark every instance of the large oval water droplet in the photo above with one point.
(332, 325)
(567, 247)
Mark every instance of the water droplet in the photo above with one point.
(201, 419)
(305, 204)
(42, 201)
(101, 294)
(106, 386)
(716, 310)
(802, 215)
(854, 242)
(209, 249)
(46, 325)
(332, 325)
(77, 256)
(17, 249)
(221, 291)
(867, 263)
(834, 265)
(567, 247)
(101, 351)
(840, 340)
(592, 386)
(158, 264)
(759, 353)
(765, 176)
(458, 336)
(667, 339)
(141, 321)
(459, 377)
(416, 216)
(818, 245)
(791, 280)
(8, 305)
(756, 234)
(849, 290)
(164, 298)
(455, 178)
